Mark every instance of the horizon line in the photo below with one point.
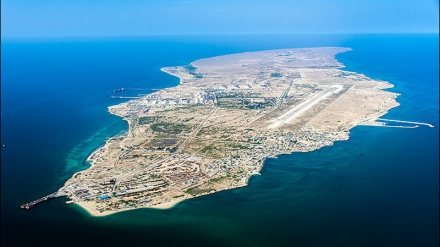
(38, 37)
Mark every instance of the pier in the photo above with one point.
(382, 122)
(124, 97)
(38, 201)
(144, 89)
(409, 122)
(399, 126)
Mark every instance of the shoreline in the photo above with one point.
(180, 79)
(89, 158)
(166, 205)
(95, 213)
(88, 206)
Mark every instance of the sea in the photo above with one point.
(379, 188)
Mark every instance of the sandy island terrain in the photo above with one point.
(214, 130)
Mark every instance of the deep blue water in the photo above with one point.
(380, 188)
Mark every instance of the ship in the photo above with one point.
(119, 90)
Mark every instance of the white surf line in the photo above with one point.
(401, 121)
(303, 107)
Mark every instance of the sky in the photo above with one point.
(49, 18)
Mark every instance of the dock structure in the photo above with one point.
(144, 89)
(382, 122)
(42, 199)
(401, 121)
(124, 97)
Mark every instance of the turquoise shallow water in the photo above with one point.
(380, 188)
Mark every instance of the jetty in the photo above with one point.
(399, 126)
(42, 199)
(409, 122)
(144, 89)
(124, 97)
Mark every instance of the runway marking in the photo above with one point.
(304, 106)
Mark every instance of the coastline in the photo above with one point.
(88, 206)
(96, 150)
(170, 73)
(89, 158)
(318, 195)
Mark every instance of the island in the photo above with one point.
(215, 129)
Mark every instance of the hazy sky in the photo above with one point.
(143, 17)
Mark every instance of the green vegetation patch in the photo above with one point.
(208, 149)
(166, 142)
(246, 103)
(198, 191)
(147, 119)
(212, 151)
(207, 131)
(154, 176)
(169, 128)
(188, 119)
(238, 146)
(192, 71)
(216, 180)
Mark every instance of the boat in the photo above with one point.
(119, 90)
